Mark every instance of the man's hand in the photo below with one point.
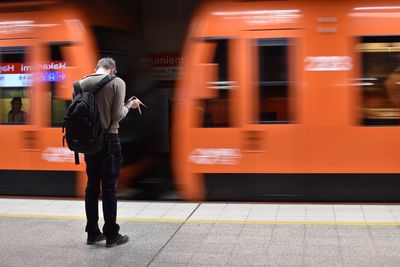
(135, 103)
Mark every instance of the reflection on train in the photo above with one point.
(44, 47)
(290, 100)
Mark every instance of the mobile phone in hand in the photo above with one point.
(131, 98)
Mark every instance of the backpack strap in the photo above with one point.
(77, 89)
(108, 78)
(76, 158)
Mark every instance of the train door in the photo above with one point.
(215, 139)
(247, 127)
(273, 141)
(19, 125)
(270, 132)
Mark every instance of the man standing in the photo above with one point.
(103, 167)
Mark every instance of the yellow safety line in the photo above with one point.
(206, 221)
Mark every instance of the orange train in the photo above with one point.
(44, 47)
(288, 100)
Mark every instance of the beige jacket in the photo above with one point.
(110, 100)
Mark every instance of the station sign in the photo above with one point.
(21, 74)
(165, 66)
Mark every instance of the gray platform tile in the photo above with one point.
(196, 228)
(226, 229)
(281, 250)
(258, 229)
(255, 248)
(221, 239)
(185, 247)
(192, 236)
(217, 249)
(322, 261)
(384, 231)
(245, 240)
(356, 241)
(149, 245)
(322, 251)
(285, 260)
(170, 257)
(353, 231)
(390, 261)
(349, 252)
(290, 229)
(321, 240)
(388, 251)
(285, 239)
(165, 264)
(370, 262)
(282, 234)
(321, 230)
(43, 242)
(210, 259)
(247, 260)
(386, 241)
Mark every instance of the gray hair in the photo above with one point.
(107, 63)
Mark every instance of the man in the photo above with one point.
(16, 115)
(103, 167)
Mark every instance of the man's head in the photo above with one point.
(107, 64)
(16, 104)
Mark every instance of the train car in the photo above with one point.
(44, 47)
(288, 101)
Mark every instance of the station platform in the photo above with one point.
(43, 232)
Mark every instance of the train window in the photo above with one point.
(53, 72)
(273, 81)
(216, 110)
(380, 57)
(15, 83)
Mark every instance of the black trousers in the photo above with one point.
(103, 168)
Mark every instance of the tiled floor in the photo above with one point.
(36, 232)
(300, 213)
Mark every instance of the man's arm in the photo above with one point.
(119, 109)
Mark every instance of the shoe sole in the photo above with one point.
(117, 244)
(94, 242)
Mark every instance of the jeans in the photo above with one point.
(103, 168)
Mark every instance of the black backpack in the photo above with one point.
(83, 130)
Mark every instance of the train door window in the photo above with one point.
(52, 73)
(216, 110)
(380, 80)
(15, 83)
(273, 81)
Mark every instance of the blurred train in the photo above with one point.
(276, 100)
(44, 47)
(286, 100)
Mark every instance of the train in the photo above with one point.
(275, 100)
(44, 47)
(289, 101)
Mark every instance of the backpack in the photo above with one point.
(83, 130)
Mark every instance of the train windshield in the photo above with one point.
(380, 57)
(15, 84)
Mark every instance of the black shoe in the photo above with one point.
(119, 240)
(91, 240)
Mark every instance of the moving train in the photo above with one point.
(44, 47)
(289, 101)
(276, 100)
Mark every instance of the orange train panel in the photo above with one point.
(31, 34)
(326, 45)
